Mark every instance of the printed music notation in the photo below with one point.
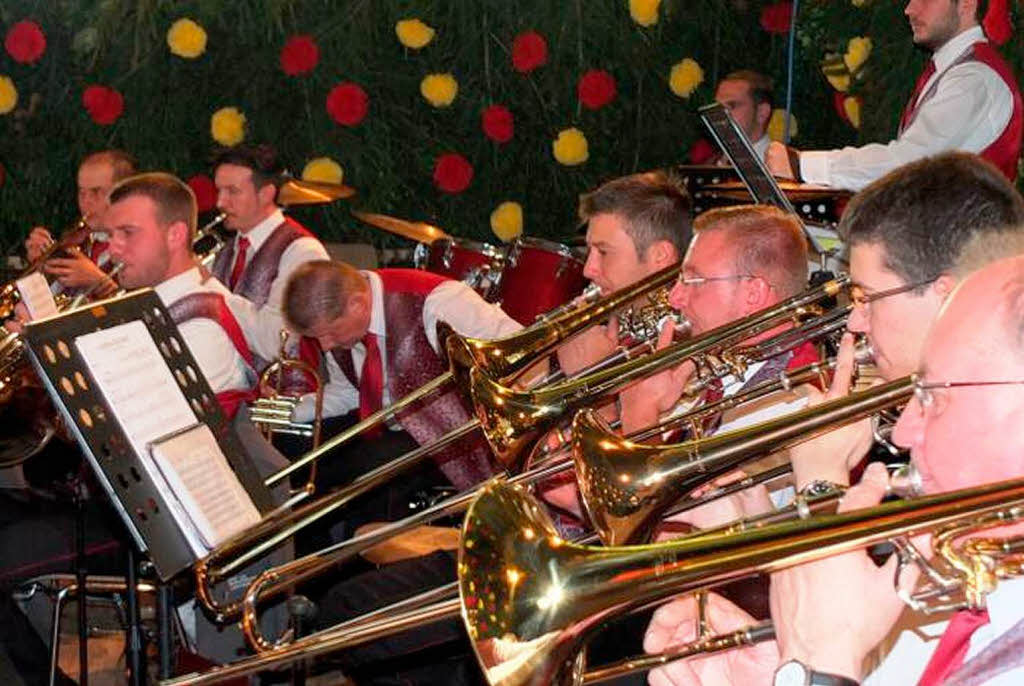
(35, 293)
(180, 455)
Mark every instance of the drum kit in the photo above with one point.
(527, 277)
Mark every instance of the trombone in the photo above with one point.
(722, 452)
(282, 578)
(509, 430)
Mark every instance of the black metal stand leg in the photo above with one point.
(301, 612)
(81, 574)
(165, 607)
(136, 649)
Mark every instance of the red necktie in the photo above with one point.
(236, 271)
(371, 379)
(949, 654)
(911, 108)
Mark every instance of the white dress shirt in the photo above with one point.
(968, 111)
(452, 301)
(216, 355)
(263, 324)
(919, 637)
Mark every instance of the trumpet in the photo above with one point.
(280, 385)
(70, 240)
(208, 242)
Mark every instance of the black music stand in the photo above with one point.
(752, 171)
(142, 503)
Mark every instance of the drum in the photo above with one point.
(538, 276)
(476, 264)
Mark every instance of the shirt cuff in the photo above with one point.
(814, 167)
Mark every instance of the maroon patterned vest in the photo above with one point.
(260, 272)
(213, 306)
(412, 362)
(1004, 152)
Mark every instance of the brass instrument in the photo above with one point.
(530, 600)
(280, 386)
(271, 532)
(69, 241)
(208, 242)
(502, 358)
(665, 472)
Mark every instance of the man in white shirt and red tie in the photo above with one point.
(966, 99)
(267, 247)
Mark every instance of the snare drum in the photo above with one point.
(476, 264)
(538, 276)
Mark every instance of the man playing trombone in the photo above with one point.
(903, 233)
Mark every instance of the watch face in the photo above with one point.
(791, 674)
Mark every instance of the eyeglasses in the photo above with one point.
(926, 399)
(701, 280)
(861, 299)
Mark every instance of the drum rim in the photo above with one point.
(551, 246)
(488, 249)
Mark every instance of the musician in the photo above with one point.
(636, 225)
(267, 246)
(903, 232)
(378, 331)
(747, 95)
(97, 174)
(966, 99)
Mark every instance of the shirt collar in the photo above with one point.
(377, 298)
(178, 286)
(262, 231)
(956, 46)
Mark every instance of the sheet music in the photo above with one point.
(136, 381)
(206, 488)
(36, 295)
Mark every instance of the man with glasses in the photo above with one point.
(904, 233)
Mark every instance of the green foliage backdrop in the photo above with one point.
(389, 157)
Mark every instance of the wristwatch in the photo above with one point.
(796, 673)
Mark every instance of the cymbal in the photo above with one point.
(416, 231)
(302, 192)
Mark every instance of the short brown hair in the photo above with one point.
(761, 86)
(173, 199)
(769, 243)
(654, 205)
(260, 159)
(319, 291)
(122, 163)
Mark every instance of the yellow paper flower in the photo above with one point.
(858, 50)
(570, 148)
(322, 169)
(685, 77)
(8, 95)
(186, 39)
(227, 126)
(413, 33)
(778, 122)
(439, 89)
(852, 107)
(507, 220)
(644, 12)
(859, 3)
(834, 69)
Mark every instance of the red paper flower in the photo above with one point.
(452, 173)
(300, 55)
(997, 23)
(529, 51)
(105, 105)
(347, 103)
(205, 190)
(596, 89)
(498, 123)
(25, 42)
(702, 152)
(776, 18)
